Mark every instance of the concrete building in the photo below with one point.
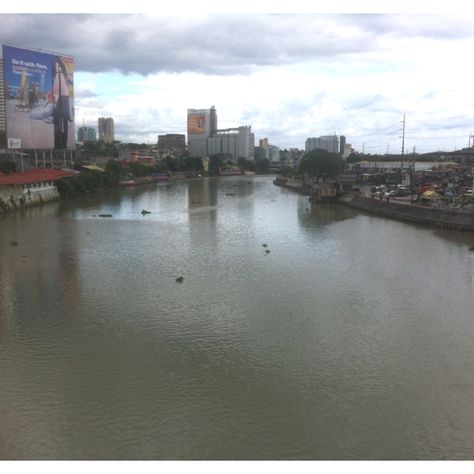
(171, 143)
(106, 129)
(233, 142)
(267, 151)
(291, 158)
(86, 134)
(348, 150)
(202, 124)
(205, 139)
(329, 143)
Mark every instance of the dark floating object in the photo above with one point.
(105, 215)
(14, 243)
(471, 248)
(144, 211)
(267, 251)
(264, 245)
(229, 194)
(179, 280)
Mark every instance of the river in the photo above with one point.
(352, 338)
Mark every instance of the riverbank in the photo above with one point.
(406, 211)
(400, 210)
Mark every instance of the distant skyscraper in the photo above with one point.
(86, 134)
(106, 129)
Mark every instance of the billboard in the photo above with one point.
(196, 123)
(39, 99)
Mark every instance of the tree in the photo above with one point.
(215, 162)
(320, 163)
(113, 171)
(7, 166)
(262, 165)
(246, 164)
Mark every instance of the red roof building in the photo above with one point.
(37, 175)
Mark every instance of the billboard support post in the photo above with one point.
(44, 159)
(36, 158)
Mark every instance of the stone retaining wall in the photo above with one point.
(422, 215)
(16, 197)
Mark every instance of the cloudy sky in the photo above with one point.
(289, 76)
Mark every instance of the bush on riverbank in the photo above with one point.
(81, 184)
(90, 181)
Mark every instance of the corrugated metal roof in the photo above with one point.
(93, 168)
(33, 176)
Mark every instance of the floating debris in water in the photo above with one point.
(267, 251)
(14, 243)
(144, 211)
(264, 245)
(105, 215)
(179, 280)
(471, 249)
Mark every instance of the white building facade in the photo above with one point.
(329, 143)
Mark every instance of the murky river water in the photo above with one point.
(353, 338)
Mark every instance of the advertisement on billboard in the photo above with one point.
(39, 93)
(196, 123)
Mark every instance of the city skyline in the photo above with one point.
(289, 77)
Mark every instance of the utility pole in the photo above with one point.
(403, 139)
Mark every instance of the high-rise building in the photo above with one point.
(86, 134)
(329, 143)
(205, 139)
(202, 124)
(106, 129)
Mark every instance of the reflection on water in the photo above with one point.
(350, 339)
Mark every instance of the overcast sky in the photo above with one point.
(289, 76)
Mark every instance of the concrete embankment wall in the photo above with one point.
(14, 197)
(438, 217)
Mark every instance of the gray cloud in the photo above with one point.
(224, 44)
(84, 93)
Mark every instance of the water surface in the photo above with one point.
(350, 339)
